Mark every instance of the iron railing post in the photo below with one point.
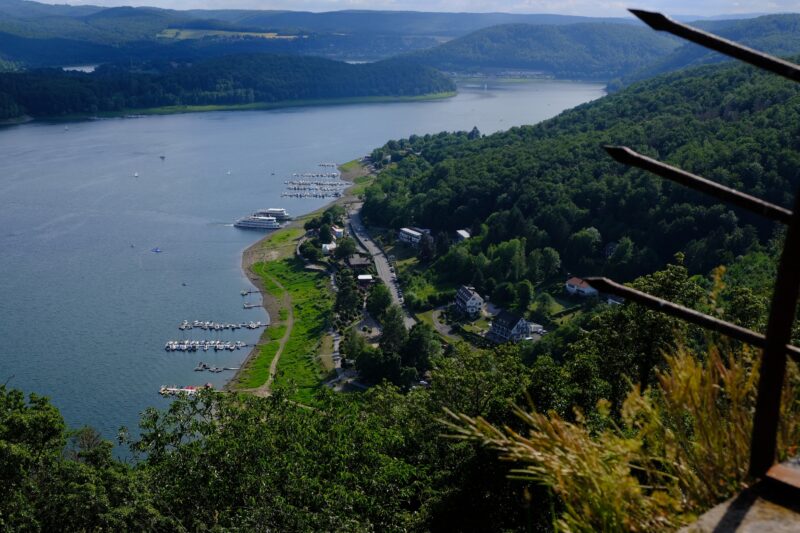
(773, 360)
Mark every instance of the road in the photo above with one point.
(381, 262)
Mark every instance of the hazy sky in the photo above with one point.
(569, 7)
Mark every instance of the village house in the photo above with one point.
(328, 249)
(462, 235)
(359, 262)
(409, 236)
(468, 301)
(510, 327)
(579, 287)
(337, 232)
(365, 279)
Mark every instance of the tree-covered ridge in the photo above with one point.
(356, 462)
(774, 34)
(594, 51)
(533, 190)
(40, 35)
(243, 79)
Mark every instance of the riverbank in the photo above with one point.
(258, 370)
(256, 106)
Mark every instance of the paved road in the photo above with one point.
(381, 262)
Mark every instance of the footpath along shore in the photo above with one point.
(275, 246)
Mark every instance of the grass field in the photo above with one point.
(257, 371)
(361, 184)
(350, 166)
(182, 34)
(311, 303)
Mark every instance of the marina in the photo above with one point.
(308, 194)
(315, 185)
(189, 390)
(183, 205)
(189, 345)
(208, 325)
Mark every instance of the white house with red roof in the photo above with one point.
(580, 287)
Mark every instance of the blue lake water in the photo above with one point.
(86, 306)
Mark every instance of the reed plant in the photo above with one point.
(668, 454)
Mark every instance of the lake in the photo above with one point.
(87, 306)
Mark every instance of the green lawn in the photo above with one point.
(311, 303)
(181, 34)
(361, 184)
(257, 371)
(349, 166)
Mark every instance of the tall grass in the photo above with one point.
(676, 450)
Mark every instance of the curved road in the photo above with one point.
(381, 262)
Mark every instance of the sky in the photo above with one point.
(597, 8)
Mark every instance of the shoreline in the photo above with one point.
(260, 252)
(258, 106)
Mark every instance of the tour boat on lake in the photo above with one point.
(258, 221)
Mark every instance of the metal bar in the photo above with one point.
(660, 22)
(785, 474)
(773, 362)
(626, 156)
(690, 315)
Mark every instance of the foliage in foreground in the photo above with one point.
(677, 449)
(361, 462)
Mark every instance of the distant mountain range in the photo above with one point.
(34, 34)
(618, 51)
(775, 34)
(596, 51)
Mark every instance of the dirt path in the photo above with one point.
(266, 388)
(285, 303)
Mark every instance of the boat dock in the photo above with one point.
(189, 390)
(326, 184)
(202, 367)
(209, 325)
(310, 194)
(205, 345)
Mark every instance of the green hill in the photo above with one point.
(34, 34)
(775, 34)
(595, 51)
(248, 79)
(552, 185)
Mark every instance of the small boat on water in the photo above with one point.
(135, 174)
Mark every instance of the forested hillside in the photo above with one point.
(774, 34)
(243, 79)
(579, 51)
(537, 195)
(35, 35)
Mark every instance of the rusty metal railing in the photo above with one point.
(776, 343)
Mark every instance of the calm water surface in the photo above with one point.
(86, 306)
